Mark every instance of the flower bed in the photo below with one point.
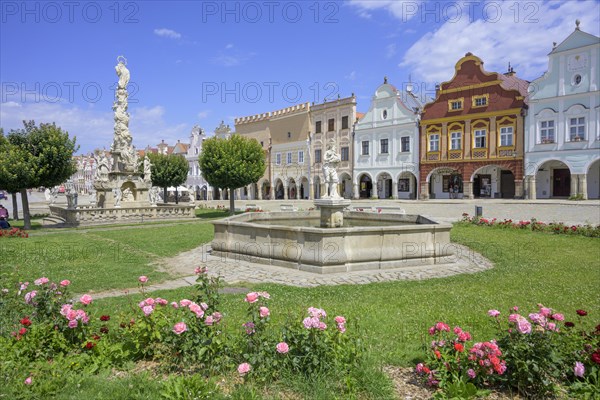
(13, 233)
(534, 225)
(538, 355)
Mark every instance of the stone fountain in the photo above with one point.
(123, 192)
(333, 239)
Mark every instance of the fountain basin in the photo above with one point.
(386, 241)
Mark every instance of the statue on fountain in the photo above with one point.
(330, 162)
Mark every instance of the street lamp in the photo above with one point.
(308, 159)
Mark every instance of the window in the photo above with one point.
(576, 80)
(289, 158)
(506, 136)
(365, 148)
(196, 150)
(345, 122)
(384, 146)
(345, 153)
(318, 155)
(384, 115)
(318, 127)
(278, 159)
(330, 125)
(547, 131)
(577, 129)
(434, 142)
(289, 135)
(405, 144)
(455, 104)
(455, 140)
(480, 101)
(301, 157)
(262, 144)
(480, 142)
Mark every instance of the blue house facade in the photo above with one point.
(562, 128)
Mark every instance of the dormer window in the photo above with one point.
(455, 104)
(480, 101)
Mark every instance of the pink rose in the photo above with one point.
(523, 326)
(546, 312)
(29, 296)
(28, 381)
(41, 281)
(209, 320)
(244, 368)
(160, 301)
(282, 348)
(179, 328)
(71, 314)
(558, 317)
(65, 283)
(493, 313)
(514, 317)
(264, 312)
(143, 279)
(251, 298)
(185, 302)
(579, 369)
(65, 309)
(217, 316)
(264, 295)
(86, 299)
(196, 309)
(147, 310)
(73, 324)
(204, 306)
(340, 320)
(471, 373)
(200, 270)
(174, 304)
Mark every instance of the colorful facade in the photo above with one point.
(562, 141)
(471, 138)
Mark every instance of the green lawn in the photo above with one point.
(559, 271)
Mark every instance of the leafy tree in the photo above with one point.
(232, 163)
(35, 156)
(168, 170)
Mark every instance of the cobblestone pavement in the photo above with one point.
(465, 260)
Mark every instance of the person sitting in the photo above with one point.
(4, 223)
(3, 212)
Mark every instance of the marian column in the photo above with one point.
(124, 154)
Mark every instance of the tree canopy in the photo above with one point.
(231, 163)
(168, 170)
(35, 156)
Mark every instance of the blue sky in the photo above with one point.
(203, 62)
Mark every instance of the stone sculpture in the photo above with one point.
(331, 159)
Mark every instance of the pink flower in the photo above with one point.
(29, 296)
(523, 326)
(251, 297)
(179, 328)
(86, 299)
(174, 304)
(558, 317)
(28, 381)
(493, 313)
(204, 306)
(65, 309)
(185, 302)
(244, 368)
(552, 327)
(317, 312)
(322, 326)
(282, 348)
(41, 281)
(65, 283)
(73, 324)
(209, 320)
(147, 310)
(579, 369)
(471, 373)
(217, 317)
(264, 312)
(419, 368)
(340, 320)
(538, 318)
(264, 295)
(149, 301)
(514, 317)
(71, 314)
(200, 270)
(196, 309)
(546, 312)
(143, 279)
(440, 326)
(160, 301)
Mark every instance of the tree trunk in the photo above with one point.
(231, 202)
(15, 207)
(25, 205)
(165, 195)
(176, 196)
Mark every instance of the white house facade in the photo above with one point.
(195, 181)
(562, 128)
(386, 146)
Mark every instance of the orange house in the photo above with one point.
(471, 135)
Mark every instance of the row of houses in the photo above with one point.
(485, 135)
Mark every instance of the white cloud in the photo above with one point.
(351, 76)
(231, 58)
(401, 9)
(390, 50)
(510, 39)
(229, 46)
(203, 114)
(168, 33)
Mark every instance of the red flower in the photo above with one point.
(459, 347)
(89, 345)
(104, 329)
(22, 331)
(596, 356)
(583, 313)
(25, 321)
(105, 318)
(437, 354)
(569, 324)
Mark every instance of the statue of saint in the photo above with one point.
(331, 159)
(127, 195)
(122, 72)
(118, 194)
(153, 195)
(147, 169)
